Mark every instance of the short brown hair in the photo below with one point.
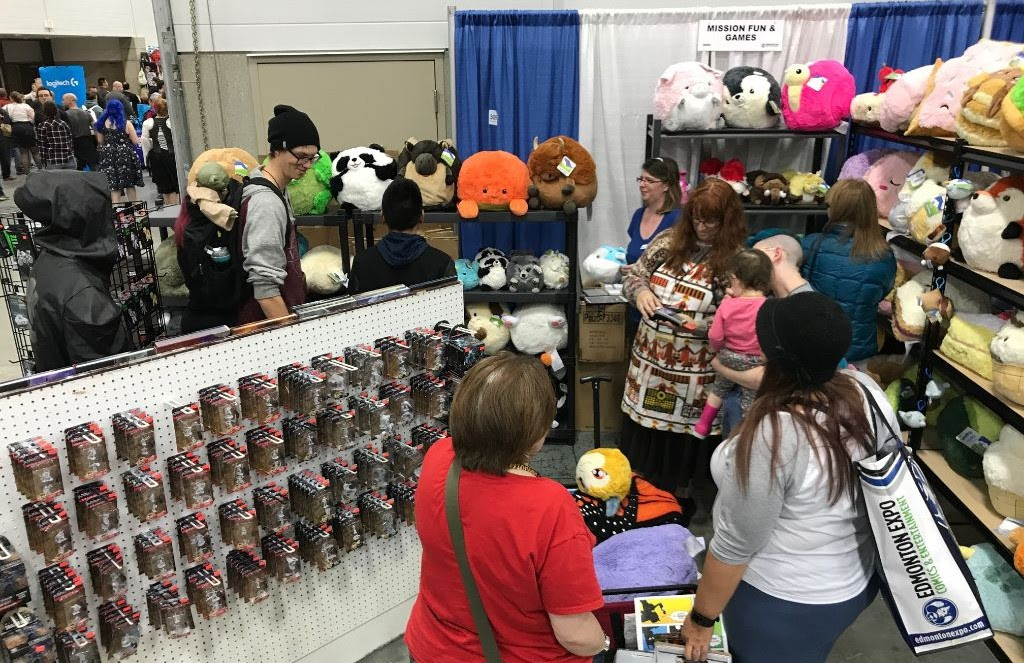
(160, 106)
(503, 406)
(753, 268)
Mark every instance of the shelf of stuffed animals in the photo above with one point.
(484, 216)
(1001, 158)
(503, 297)
(981, 388)
(1010, 291)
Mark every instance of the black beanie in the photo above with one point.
(807, 334)
(291, 128)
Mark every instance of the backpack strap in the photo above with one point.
(263, 181)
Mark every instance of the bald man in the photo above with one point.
(786, 255)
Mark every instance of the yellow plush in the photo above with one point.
(807, 188)
(981, 108)
(968, 340)
(604, 474)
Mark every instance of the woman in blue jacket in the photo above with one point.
(851, 262)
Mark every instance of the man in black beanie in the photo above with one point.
(270, 247)
(402, 257)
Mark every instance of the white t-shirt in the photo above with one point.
(19, 112)
(798, 547)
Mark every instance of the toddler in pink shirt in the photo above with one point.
(732, 334)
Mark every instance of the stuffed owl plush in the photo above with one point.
(359, 176)
(606, 475)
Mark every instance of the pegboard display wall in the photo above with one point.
(297, 618)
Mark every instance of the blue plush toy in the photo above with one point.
(467, 273)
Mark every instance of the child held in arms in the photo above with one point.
(732, 334)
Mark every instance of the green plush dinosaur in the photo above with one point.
(310, 193)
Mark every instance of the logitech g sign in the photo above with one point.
(62, 79)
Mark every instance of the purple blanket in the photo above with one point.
(645, 557)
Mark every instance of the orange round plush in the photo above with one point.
(493, 181)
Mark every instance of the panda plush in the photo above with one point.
(493, 272)
(359, 176)
(752, 98)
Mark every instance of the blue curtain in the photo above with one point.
(525, 66)
(906, 35)
(1008, 22)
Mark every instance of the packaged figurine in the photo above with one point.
(134, 439)
(338, 375)
(310, 496)
(206, 590)
(63, 596)
(168, 610)
(229, 465)
(347, 526)
(300, 437)
(87, 451)
(395, 354)
(317, 545)
(259, 398)
(188, 427)
(36, 469)
(191, 480)
(283, 559)
(49, 530)
(343, 479)
(119, 629)
(106, 570)
(14, 590)
(247, 576)
(221, 412)
(272, 507)
(96, 510)
(404, 495)
(78, 647)
(266, 450)
(144, 493)
(336, 427)
(154, 554)
(373, 467)
(378, 513)
(426, 349)
(194, 538)
(25, 639)
(238, 525)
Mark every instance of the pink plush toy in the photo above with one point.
(817, 96)
(937, 112)
(688, 97)
(902, 97)
(887, 175)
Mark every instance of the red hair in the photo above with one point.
(713, 199)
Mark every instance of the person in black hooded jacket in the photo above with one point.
(402, 257)
(72, 316)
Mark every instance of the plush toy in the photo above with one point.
(902, 98)
(1011, 124)
(856, 166)
(1002, 465)
(817, 96)
(467, 271)
(1000, 586)
(603, 265)
(311, 193)
(359, 176)
(208, 192)
(667, 553)
(486, 322)
(936, 306)
(434, 166)
(735, 174)
(767, 188)
(968, 341)
(908, 316)
(979, 120)
(493, 181)
(887, 76)
(688, 97)
(492, 272)
(958, 414)
(1007, 350)
(168, 271)
(924, 192)
(488, 252)
(990, 233)
(537, 328)
(235, 161)
(555, 266)
(807, 188)
(322, 266)
(936, 114)
(563, 175)
(525, 277)
(613, 500)
(752, 98)
(887, 176)
(866, 108)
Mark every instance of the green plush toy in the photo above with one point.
(310, 193)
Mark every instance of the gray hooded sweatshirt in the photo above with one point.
(264, 237)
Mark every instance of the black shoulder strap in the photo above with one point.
(263, 181)
(876, 415)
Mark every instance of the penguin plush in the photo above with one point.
(753, 98)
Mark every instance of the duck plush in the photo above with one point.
(613, 500)
(688, 97)
(752, 98)
(817, 96)
(493, 180)
(990, 233)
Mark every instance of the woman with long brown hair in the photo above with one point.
(791, 564)
(683, 269)
(850, 261)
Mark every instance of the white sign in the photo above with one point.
(740, 35)
(492, 117)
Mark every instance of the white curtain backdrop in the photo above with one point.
(622, 54)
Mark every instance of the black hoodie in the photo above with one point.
(398, 259)
(73, 318)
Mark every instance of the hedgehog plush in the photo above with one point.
(563, 175)
(359, 176)
(555, 266)
(817, 96)
(493, 180)
(752, 98)
(434, 166)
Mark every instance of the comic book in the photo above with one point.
(661, 618)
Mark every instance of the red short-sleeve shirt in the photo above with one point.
(529, 551)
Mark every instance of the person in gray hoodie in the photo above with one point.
(270, 247)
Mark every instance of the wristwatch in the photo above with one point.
(701, 620)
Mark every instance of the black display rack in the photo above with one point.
(655, 135)
(969, 495)
(133, 282)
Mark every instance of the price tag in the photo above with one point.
(566, 166)
(974, 440)
(817, 83)
(1008, 525)
(917, 177)
(449, 157)
(492, 117)
(934, 206)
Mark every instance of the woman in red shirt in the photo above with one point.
(529, 552)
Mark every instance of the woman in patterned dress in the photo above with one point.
(117, 140)
(682, 269)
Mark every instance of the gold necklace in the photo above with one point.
(523, 467)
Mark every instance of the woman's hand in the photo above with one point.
(625, 270)
(647, 303)
(698, 640)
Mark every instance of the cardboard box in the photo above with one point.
(443, 236)
(602, 332)
(611, 397)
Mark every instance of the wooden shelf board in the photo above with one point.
(1012, 646)
(972, 493)
(1016, 285)
(982, 382)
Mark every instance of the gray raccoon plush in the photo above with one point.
(525, 277)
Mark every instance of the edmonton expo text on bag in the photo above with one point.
(926, 582)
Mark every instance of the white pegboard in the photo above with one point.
(298, 619)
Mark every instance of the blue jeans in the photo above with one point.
(732, 413)
(764, 629)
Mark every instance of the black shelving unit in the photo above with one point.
(17, 255)
(655, 135)
(968, 494)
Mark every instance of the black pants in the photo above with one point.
(6, 154)
(86, 153)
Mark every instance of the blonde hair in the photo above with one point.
(852, 203)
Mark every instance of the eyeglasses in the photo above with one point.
(649, 180)
(303, 159)
(710, 225)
